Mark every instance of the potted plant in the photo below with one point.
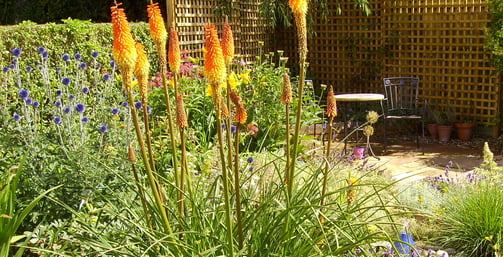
(431, 121)
(445, 119)
(464, 129)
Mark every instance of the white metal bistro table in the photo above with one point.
(358, 97)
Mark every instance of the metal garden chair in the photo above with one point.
(402, 103)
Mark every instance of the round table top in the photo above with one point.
(359, 97)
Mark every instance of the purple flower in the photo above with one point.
(233, 129)
(16, 117)
(45, 54)
(57, 120)
(40, 49)
(80, 107)
(224, 126)
(138, 105)
(16, 52)
(113, 64)
(57, 104)
(103, 128)
(149, 110)
(23, 93)
(67, 110)
(28, 101)
(5, 69)
(59, 92)
(35, 104)
(124, 104)
(71, 97)
(85, 90)
(242, 62)
(29, 68)
(77, 56)
(65, 57)
(12, 66)
(15, 61)
(106, 77)
(115, 111)
(94, 54)
(85, 120)
(82, 65)
(66, 81)
(250, 160)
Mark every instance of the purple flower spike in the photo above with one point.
(67, 110)
(233, 129)
(103, 128)
(82, 65)
(66, 81)
(16, 52)
(45, 54)
(65, 57)
(106, 77)
(35, 104)
(40, 49)
(85, 120)
(29, 68)
(57, 120)
(115, 111)
(124, 104)
(77, 56)
(16, 117)
(85, 90)
(94, 54)
(57, 104)
(5, 69)
(138, 105)
(80, 107)
(23, 93)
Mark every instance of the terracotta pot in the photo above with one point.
(444, 133)
(433, 130)
(464, 131)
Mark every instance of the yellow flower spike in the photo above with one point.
(174, 56)
(299, 9)
(141, 70)
(209, 90)
(227, 43)
(245, 76)
(298, 6)
(286, 96)
(124, 50)
(214, 65)
(233, 80)
(331, 104)
(157, 28)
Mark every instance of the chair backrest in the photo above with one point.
(401, 93)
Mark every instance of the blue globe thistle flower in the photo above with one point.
(103, 128)
(149, 110)
(45, 54)
(5, 69)
(23, 93)
(224, 126)
(35, 104)
(57, 120)
(115, 111)
(138, 105)
(80, 107)
(67, 110)
(124, 104)
(71, 97)
(85, 90)
(113, 64)
(82, 65)
(16, 117)
(29, 68)
(250, 160)
(12, 66)
(66, 81)
(40, 67)
(28, 101)
(59, 92)
(233, 129)
(16, 52)
(15, 61)
(94, 54)
(77, 56)
(58, 104)
(85, 120)
(65, 57)
(40, 49)
(106, 77)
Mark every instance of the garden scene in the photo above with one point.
(235, 128)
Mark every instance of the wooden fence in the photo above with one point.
(439, 41)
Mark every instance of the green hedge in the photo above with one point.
(73, 36)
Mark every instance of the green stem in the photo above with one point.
(142, 197)
(147, 134)
(287, 169)
(327, 154)
(184, 166)
(237, 187)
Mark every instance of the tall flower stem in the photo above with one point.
(228, 213)
(288, 157)
(327, 164)
(237, 188)
(146, 122)
(142, 196)
(148, 170)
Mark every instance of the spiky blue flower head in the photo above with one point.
(59, 92)
(113, 64)
(45, 54)
(250, 160)
(23, 93)
(71, 97)
(95, 54)
(29, 68)
(40, 67)
(85, 120)
(103, 128)
(85, 90)
(124, 104)
(16, 52)
(106, 77)
(16, 117)
(28, 101)
(12, 66)
(57, 120)
(77, 56)
(58, 104)
(233, 129)
(67, 110)
(82, 65)
(35, 104)
(224, 126)
(40, 49)
(5, 69)
(66, 81)
(65, 57)
(149, 110)
(138, 105)
(115, 111)
(80, 107)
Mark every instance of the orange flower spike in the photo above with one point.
(241, 115)
(298, 6)
(227, 43)
(331, 104)
(214, 65)
(124, 50)
(224, 109)
(174, 56)
(286, 96)
(181, 116)
(157, 28)
(142, 69)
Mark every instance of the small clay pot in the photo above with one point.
(464, 131)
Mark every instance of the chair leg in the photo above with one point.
(384, 133)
